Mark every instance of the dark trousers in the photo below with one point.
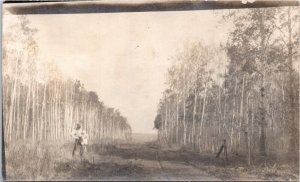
(77, 144)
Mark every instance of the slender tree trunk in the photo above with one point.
(262, 89)
(263, 122)
(294, 134)
(203, 111)
(177, 118)
(194, 117)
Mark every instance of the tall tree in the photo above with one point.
(288, 26)
(249, 47)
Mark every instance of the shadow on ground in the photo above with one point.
(86, 170)
(150, 151)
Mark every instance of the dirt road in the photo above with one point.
(140, 159)
(134, 161)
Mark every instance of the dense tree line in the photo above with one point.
(246, 91)
(39, 104)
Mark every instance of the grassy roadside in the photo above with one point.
(277, 168)
(42, 160)
(272, 167)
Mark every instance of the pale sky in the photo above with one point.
(124, 57)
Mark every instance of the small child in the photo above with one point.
(84, 140)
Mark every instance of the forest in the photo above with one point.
(245, 91)
(40, 105)
(242, 91)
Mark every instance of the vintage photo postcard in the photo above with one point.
(150, 90)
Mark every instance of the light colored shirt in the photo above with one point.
(77, 133)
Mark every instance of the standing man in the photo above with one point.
(80, 137)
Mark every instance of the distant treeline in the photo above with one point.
(246, 91)
(39, 104)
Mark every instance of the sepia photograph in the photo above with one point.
(150, 90)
